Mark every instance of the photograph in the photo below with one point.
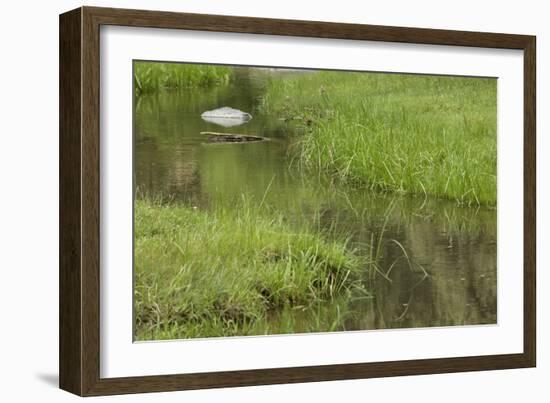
(277, 201)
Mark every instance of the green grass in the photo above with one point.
(151, 77)
(224, 272)
(395, 132)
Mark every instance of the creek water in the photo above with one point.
(448, 276)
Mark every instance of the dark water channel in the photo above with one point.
(449, 277)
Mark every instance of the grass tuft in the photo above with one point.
(219, 273)
(395, 132)
(151, 77)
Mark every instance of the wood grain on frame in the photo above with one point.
(70, 271)
(79, 200)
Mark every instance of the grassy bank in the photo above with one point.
(394, 132)
(221, 273)
(150, 77)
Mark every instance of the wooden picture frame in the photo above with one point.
(79, 346)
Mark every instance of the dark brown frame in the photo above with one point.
(79, 201)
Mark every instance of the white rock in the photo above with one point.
(226, 116)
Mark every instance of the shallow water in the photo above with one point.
(449, 277)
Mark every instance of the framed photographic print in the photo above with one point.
(249, 201)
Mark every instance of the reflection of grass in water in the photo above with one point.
(405, 133)
(218, 273)
(380, 210)
(150, 77)
(378, 243)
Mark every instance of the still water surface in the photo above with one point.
(450, 276)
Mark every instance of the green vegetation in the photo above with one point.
(292, 235)
(151, 77)
(395, 132)
(224, 272)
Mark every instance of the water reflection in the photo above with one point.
(437, 260)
